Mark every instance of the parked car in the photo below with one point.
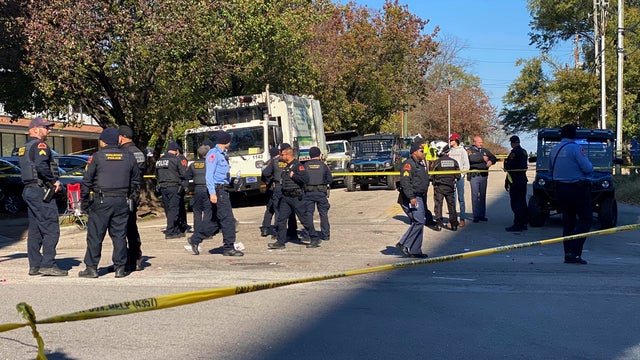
(11, 186)
(73, 164)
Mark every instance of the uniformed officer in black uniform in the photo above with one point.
(444, 188)
(200, 204)
(294, 177)
(170, 175)
(479, 159)
(111, 178)
(39, 172)
(414, 180)
(272, 176)
(516, 184)
(316, 191)
(182, 210)
(134, 252)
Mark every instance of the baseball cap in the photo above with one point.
(514, 139)
(38, 121)
(110, 136)
(454, 136)
(125, 131)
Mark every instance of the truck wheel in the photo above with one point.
(364, 186)
(536, 211)
(608, 213)
(391, 182)
(350, 183)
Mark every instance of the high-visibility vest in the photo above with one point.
(430, 154)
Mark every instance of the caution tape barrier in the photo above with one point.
(173, 300)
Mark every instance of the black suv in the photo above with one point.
(374, 154)
(599, 144)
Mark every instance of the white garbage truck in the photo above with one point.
(257, 123)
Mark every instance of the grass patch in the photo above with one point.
(627, 188)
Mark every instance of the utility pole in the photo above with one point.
(600, 10)
(620, 98)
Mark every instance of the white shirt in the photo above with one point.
(460, 155)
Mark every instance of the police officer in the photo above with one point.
(516, 184)
(272, 176)
(480, 159)
(217, 178)
(112, 176)
(294, 177)
(39, 173)
(570, 169)
(444, 187)
(170, 175)
(134, 252)
(414, 180)
(200, 204)
(182, 210)
(316, 191)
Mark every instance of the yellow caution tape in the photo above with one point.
(167, 301)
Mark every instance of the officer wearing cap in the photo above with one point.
(294, 177)
(570, 169)
(272, 176)
(444, 188)
(414, 180)
(217, 175)
(134, 252)
(112, 177)
(170, 175)
(39, 173)
(516, 184)
(316, 191)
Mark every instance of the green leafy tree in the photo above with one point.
(17, 90)
(369, 65)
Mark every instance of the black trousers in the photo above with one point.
(518, 197)
(319, 199)
(574, 201)
(111, 214)
(272, 211)
(134, 244)
(202, 209)
(223, 212)
(289, 205)
(171, 203)
(447, 193)
(44, 229)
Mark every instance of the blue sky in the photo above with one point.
(492, 33)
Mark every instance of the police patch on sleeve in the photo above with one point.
(211, 158)
(407, 167)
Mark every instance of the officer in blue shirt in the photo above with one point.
(217, 178)
(570, 169)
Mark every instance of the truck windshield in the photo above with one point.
(246, 141)
(375, 148)
(600, 153)
(336, 148)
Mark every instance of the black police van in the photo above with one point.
(374, 153)
(599, 145)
